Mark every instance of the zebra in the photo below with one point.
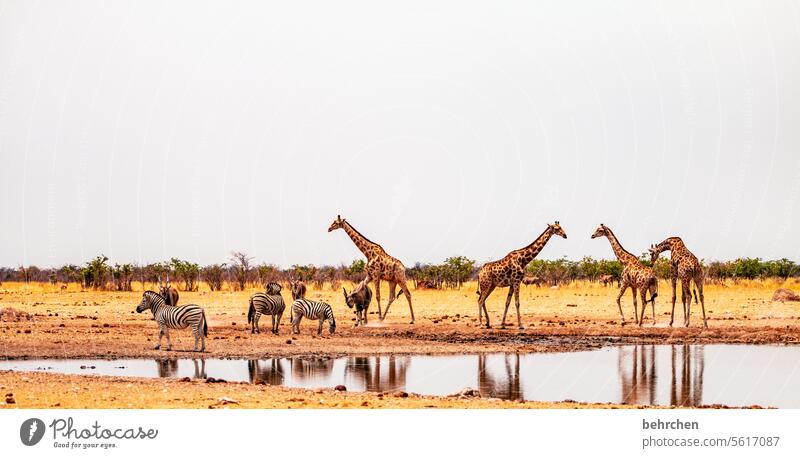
(312, 310)
(269, 303)
(170, 317)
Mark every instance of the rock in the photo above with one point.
(10, 400)
(466, 393)
(784, 295)
(289, 341)
(223, 400)
(340, 388)
(215, 380)
(186, 379)
(400, 394)
(10, 314)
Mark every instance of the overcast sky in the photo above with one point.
(146, 130)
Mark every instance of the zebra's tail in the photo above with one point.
(250, 312)
(205, 325)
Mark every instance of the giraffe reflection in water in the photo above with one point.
(306, 369)
(492, 386)
(637, 374)
(687, 390)
(638, 380)
(269, 371)
(169, 368)
(378, 373)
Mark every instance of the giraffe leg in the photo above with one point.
(392, 287)
(643, 294)
(686, 298)
(486, 290)
(674, 286)
(619, 296)
(378, 297)
(698, 281)
(407, 292)
(635, 305)
(653, 304)
(516, 300)
(508, 302)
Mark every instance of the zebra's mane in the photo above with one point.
(150, 295)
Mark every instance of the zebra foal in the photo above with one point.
(267, 303)
(312, 310)
(171, 317)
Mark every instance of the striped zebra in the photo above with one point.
(170, 317)
(312, 310)
(268, 303)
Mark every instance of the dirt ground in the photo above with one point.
(32, 390)
(93, 324)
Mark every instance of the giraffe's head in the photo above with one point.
(556, 228)
(656, 250)
(601, 231)
(338, 223)
(653, 253)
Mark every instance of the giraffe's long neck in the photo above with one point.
(530, 251)
(362, 243)
(666, 245)
(622, 255)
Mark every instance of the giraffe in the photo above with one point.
(634, 275)
(684, 266)
(380, 266)
(510, 271)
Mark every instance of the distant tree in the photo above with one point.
(186, 271)
(357, 267)
(304, 273)
(781, 268)
(123, 276)
(240, 268)
(458, 269)
(214, 276)
(748, 268)
(95, 273)
(267, 273)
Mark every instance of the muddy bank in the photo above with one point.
(30, 390)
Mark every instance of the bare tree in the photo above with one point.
(240, 268)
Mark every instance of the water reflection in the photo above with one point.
(376, 373)
(504, 383)
(679, 375)
(269, 371)
(170, 367)
(688, 366)
(636, 367)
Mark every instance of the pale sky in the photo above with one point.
(146, 129)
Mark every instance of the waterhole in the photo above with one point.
(678, 375)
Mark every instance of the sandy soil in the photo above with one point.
(33, 390)
(77, 324)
